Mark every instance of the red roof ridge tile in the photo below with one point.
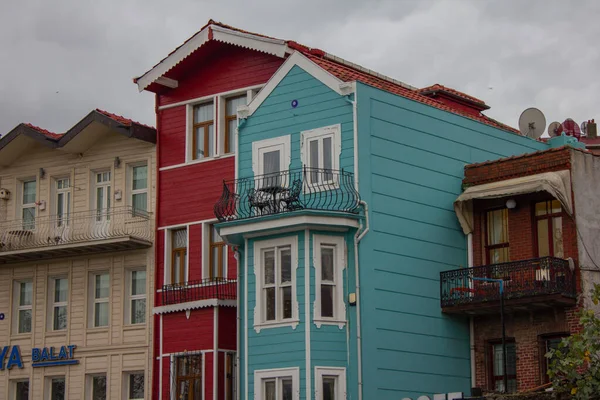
(122, 120)
(43, 131)
(521, 156)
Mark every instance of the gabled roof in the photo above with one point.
(338, 67)
(42, 131)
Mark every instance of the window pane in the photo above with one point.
(178, 261)
(271, 162)
(557, 236)
(499, 255)
(60, 290)
(270, 390)
(497, 226)
(286, 294)
(286, 389)
(26, 293)
(140, 177)
(138, 311)
(555, 206)
(99, 388)
(24, 321)
(136, 386)
(140, 201)
(327, 301)
(29, 192)
(231, 125)
(286, 265)
(138, 282)
(22, 390)
(313, 148)
(99, 198)
(232, 104)
(270, 304)
(60, 197)
(540, 208)
(180, 238)
(215, 235)
(542, 238)
(101, 314)
(60, 318)
(29, 218)
(329, 388)
(269, 265)
(203, 112)
(327, 264)
(327, 153)
(58, 389)
(211, 142)
(200, 132)
(102, 289)
(215, 270)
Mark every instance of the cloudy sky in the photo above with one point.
(60, 59)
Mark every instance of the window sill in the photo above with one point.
(293, 323)
(200, 161)
(56, 333)
(16, 336)
(334, 322)
(98, 329)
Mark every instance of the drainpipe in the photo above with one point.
(357, 238)
(236, 255)
(471, 320)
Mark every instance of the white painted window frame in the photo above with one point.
(131, 297)
(108, 193)
(48, 385)
(67, 197)
(221, 100)
(168, 236)
(132, 192)
(206, 227)
(89, 384)
(18, 307)
(22, 206)
(13, 387)
(338, 373)
(93, 300)
(259, 309)
(335, 133)
(277, 373)
(339, 305)
(173, 370)
(127, 384)
(259, 147)
(54, 304)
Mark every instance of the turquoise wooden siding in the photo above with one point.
(318, 106)
(411, 160)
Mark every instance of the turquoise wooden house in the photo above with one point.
(342, 217)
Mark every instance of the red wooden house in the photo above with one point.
(198, 88)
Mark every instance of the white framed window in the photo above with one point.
(55, 388)
(271, 156)
(28, 206)
(100, 299)
(320, 152)
(101, 195)
(275, 264)
(330, 383)
(277, 384)
(203, 130)
(227, 128)
(62, 190)
(96, 387)
(59, 301)
(135, 307)
(176, 255)
(19, 389)
(133, 383)
(329, 262)
(214, 253)
(187, 376)
(138, 182)
(23, 303)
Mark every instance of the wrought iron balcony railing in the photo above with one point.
(287, 191)
(205, 289)
(75, 228)
(544, 276)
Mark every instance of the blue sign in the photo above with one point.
(40, 357)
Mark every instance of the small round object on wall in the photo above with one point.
(1, 316)
(294, 103)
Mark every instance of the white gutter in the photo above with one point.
(357, 238)
(471, 323)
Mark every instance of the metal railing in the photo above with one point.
(77, 227)
(287, 191)
(527, 278)
(204, 289)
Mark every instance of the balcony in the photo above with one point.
(288, 191)
(72, 234)
(539, 283)
(205, 289)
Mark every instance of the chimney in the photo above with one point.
(592, 130)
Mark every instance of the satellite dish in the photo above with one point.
(584, 125)
(571, 128)
(532, 123)
(555, 129)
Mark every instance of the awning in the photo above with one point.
(558, 184)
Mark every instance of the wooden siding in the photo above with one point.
(411, 160)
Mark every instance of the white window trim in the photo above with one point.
(94, 300)
(13, 387)
(18, 307)
(133, 192)
(89, 383)
(168, 236)
(221, 100)
(53, 304)
(333, 131)
(339, 373)
(130, 297)
(259, 246)
(189, 140)
(339, 306)
(173, 370)
(48, 385)
(206, 226)
(281, 143)
(260, 375)
(22, 205)
(105, 184)
(127, 383)
(67, 192)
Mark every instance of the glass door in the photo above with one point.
(102, 196)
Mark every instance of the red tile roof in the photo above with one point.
(535, 153)
(440, 88)
(120, 119)
(44, 132)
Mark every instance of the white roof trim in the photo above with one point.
(192, 305)
(297, 58)
(267, 45)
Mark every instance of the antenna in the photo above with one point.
(571, 128)
(532, 123)
(584, 127)
(555, 129)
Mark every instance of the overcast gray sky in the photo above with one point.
(60, 59)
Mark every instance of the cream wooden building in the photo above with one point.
(76, 260)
